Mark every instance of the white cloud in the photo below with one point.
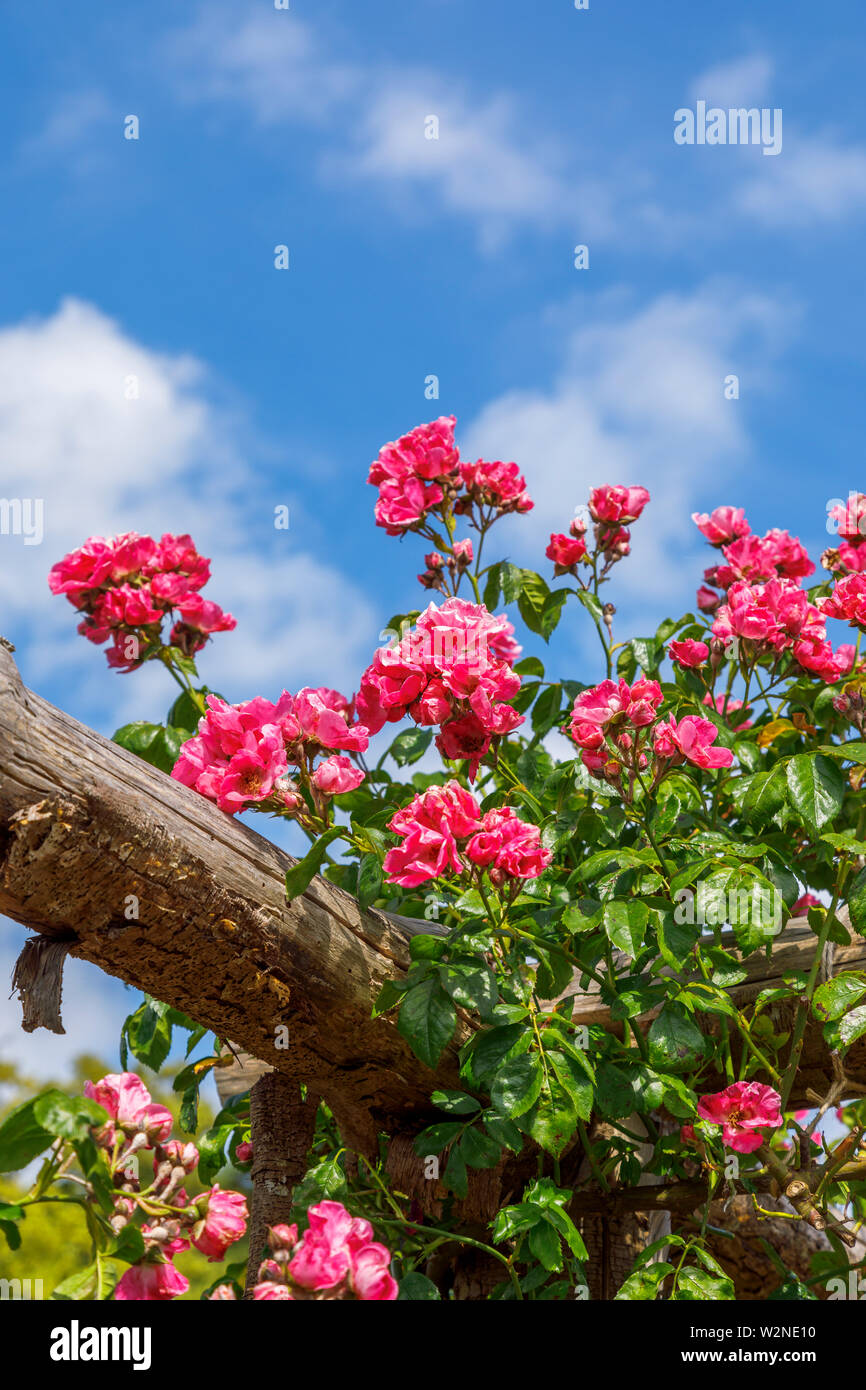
(814, 180)
(70, 132)
(742, 82)
(271, 61)
(478, 164)
(640, 400)
(486, 164)
(167, 460)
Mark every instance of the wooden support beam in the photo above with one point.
(152, 883)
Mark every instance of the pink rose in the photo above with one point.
(743, 1109)
(336, 775)
(616, 504)
(565, 551)
(689, 653)
(224, 1222)
(723, 525)
(150, 1282)
(691, 738)
(127, 1100)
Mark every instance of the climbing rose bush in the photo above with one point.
(645, 828)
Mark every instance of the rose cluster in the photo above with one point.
(420, 477)
(749, 558)
(612, 509)
(775, 617)
(454, 669)
(745, 1110)
(126, 587)
(850, 554)
(443, 831)
(619, 730)
(211, 1222)
(241, 755)
(336, 1259)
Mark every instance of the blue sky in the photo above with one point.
(257, 387)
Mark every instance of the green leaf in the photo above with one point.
(188, 1117)
(490, 595)
(417, 1288)
(854, 752)
(699, 1285)
(389, 995)
(511, 580)
(675, 1043)
(816, 789)
(614, 1090)
(479, 1150)
(158, 745)
(455, 1176)
(846, 842)
(857, 903)
(455, 1102)
(853, 1026)
(369, 880)
(491, 1048)
(148, 1032)
(504, 1132)
(517, 1085)
(11, 1233)
(427, 1019)
(643, 1286)
(553, 1119)
(625, 924)
(838, 995)
(765, 795)
(545, 711)
(592, 604)
(299, 878)
(95, 1283)
(409, 746)
(128, 1246)
(68, 1117)
(435, 1138)
(22, 1137)
(545, 1245)
(574, 1080)
(472, 986)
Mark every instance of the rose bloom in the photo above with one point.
(127, 1100)
(723, 525)
(565, 551)
(224, 1222)
(508, 847)
(616, 504)
(743, 1110)
(688, 653)
(150, 1282)
(802, 905)
(691, 738)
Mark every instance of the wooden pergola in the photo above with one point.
(87, 828)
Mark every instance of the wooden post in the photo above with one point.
(282, 1125)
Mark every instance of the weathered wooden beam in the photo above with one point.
(151, 882)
